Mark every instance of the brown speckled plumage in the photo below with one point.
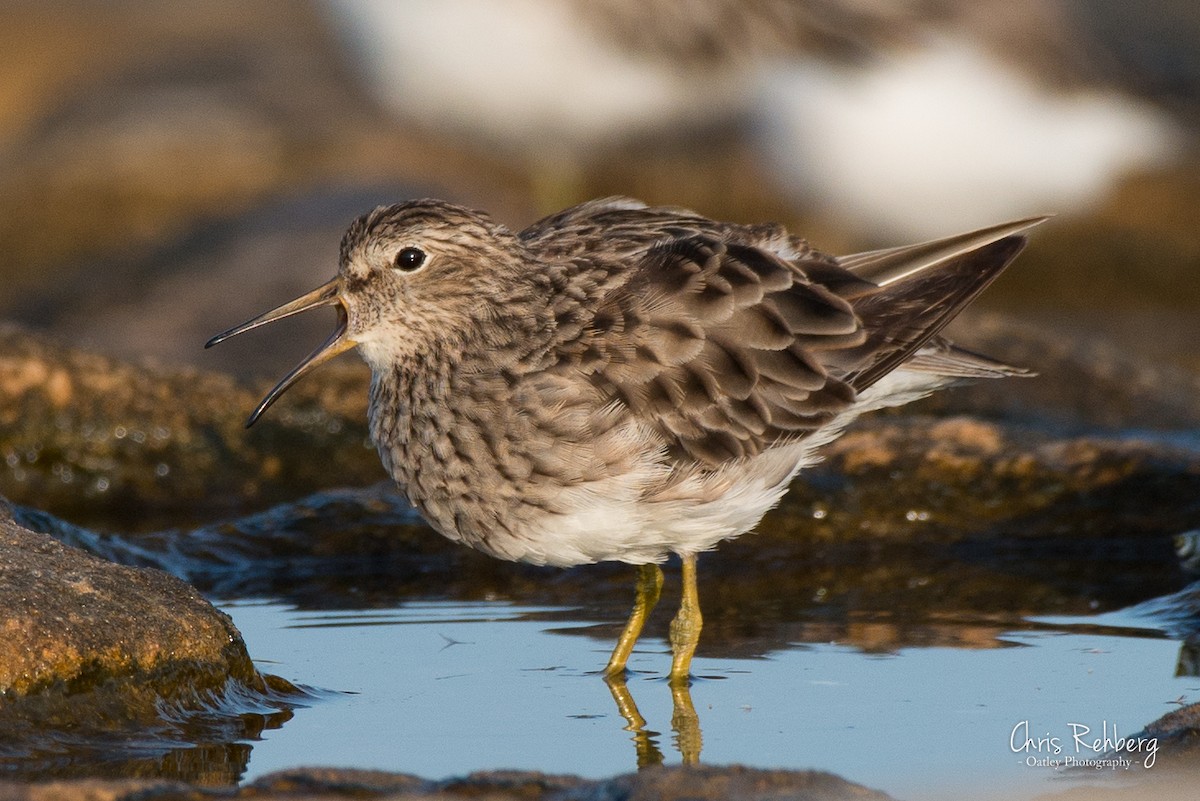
(623, 382)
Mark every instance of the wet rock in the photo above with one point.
(661, 784)
(1178, 735)
(738, 782)
(104, 441)
(1084, 381)
(334, 536)
(338, 782)
(73, 621)
(109, 661)
(963, 475)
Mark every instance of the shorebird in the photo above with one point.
(622, 382)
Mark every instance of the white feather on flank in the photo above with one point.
(615, 518)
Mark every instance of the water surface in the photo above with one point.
(444, 688)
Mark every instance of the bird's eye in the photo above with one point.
(409, 259)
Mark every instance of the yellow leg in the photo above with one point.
(685, 628)
(649, 587)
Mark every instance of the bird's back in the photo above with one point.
(730, 339)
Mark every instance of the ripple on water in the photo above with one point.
(444, 688)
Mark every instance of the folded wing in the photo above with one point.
(726, 343)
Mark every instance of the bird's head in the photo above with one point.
(410, 275)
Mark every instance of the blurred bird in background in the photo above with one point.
(896, 118)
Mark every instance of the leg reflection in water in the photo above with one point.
(684, 722)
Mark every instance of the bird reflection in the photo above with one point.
(685, 723)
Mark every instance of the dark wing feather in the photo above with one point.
(940, 357)
(717, 345)
(922, 288)
(905, 315)
(730, 339)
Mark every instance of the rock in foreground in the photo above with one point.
(89, 649)
(662, 784)
(73, 622)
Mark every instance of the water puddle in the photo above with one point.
(444, 688)
(884, 643)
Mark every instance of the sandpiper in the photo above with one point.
(622, 382)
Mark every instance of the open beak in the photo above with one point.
(338, 342)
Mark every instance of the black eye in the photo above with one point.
(409, 259)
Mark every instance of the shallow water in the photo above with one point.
(897, 646)
(443, 688)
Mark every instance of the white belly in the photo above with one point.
(622, 518)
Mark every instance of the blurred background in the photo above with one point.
(170, 169)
